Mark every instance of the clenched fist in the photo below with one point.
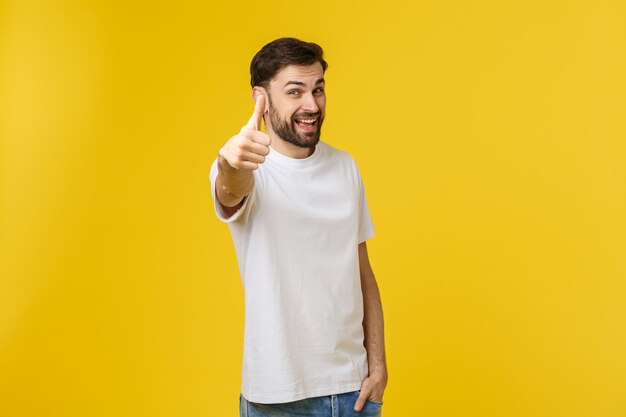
(248, 149)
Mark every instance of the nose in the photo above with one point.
(309, 104)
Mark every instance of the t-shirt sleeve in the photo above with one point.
(366, 227)
(243, 211)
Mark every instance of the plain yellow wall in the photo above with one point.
(491, 136)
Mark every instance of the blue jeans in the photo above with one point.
(340, 405)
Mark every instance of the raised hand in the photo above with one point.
(248, 149)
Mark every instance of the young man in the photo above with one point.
(296, 209)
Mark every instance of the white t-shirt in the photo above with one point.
(296, 238)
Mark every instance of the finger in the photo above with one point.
(256, 148)
(259, 108)
(360, 402)
(260, 137)
(255, 136)
(239, 156)
(252, 157)
(246, 165)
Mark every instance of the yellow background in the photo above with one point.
(491, 136)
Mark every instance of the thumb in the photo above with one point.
(259, 108)
(360, 402)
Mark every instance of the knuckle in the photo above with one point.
(244, 135)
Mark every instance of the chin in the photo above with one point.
(308, 143)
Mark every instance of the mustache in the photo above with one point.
(305, 115)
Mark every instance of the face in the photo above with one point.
(297, 104)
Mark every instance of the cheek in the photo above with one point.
(290, 112)
(283, 109)
(283, 113)
(321, 103)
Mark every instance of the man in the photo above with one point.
(296, 209)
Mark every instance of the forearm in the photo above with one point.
(232, 184)
(373, 326)
(372, 387)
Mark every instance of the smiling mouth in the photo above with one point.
(307, 123)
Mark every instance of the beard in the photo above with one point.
(286, 129)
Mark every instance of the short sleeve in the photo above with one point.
(366, 227)
(243, 211)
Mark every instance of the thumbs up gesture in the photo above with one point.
(239, 156)
(247, 149)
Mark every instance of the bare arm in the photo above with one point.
(374, 385)
(239, 156)
(232, 186)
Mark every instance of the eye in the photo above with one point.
(318, 90)
(293, 92)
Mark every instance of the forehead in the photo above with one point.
(303, 73)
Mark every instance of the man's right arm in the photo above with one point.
(240, 155)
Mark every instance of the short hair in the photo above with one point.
(282, 52)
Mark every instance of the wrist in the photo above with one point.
(379, 372)
(223, 164)
(232, 181)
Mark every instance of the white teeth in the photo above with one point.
(309, 121)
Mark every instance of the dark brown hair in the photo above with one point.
(280, 53)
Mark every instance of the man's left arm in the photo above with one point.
(374, 385)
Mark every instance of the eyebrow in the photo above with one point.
(301, 84)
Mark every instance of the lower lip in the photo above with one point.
(306, 127)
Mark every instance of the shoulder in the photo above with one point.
(335, 155)
(341, 164)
